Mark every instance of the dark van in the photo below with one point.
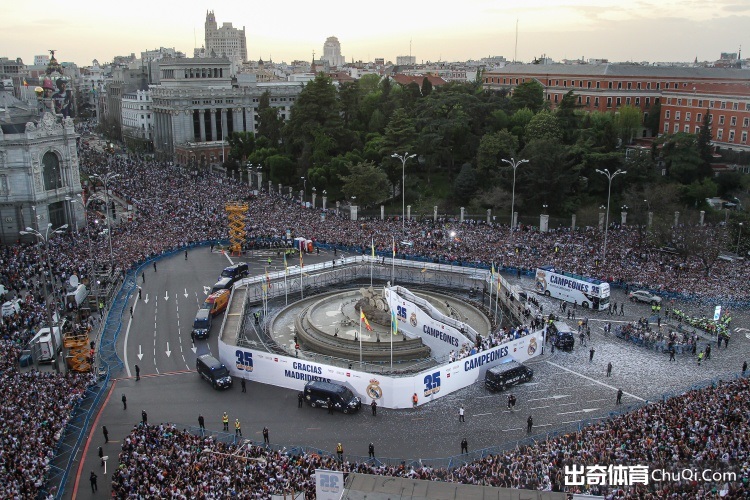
(223, 284)
(317, 394)
(508, 374)
(213, 371)
(237, 271)
(561, 335)
(201, 324)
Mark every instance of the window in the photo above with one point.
(720, 134)
(619, 101)
(556, 96)
(710, 119)
(744, 137)
(733, 121)
(565, 83)
(609, 85)
(731, 136)
(648, 102)
(676, 115)
(667, 114)
(721, 119)
(596, 102)
(51, 171)
(687, 129)
(627, 101)
(676, 127)
(746, 122)
(609, 102)
(630, 85)
(734, 106)
(666, 127)
(588, 85)
(637, 101)
(697, 130)
(639, 86)
(687, 116)
(699, 117)
(598, 86)
(588, 100)
(648, 85)
(700, 103)
(723, 105)
(579, 99)
(619, 85)
(679, 102)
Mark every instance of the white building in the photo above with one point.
(41, 60)
(226, 41)
(406, 60)
(332, 52)
(137, 119)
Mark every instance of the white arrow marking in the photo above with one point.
(206, 289)
(140, 353)
(585, 410)
(194, 349)
(186, 294)
(557, 396)
(146, 301)
(166, 295)
(168, 351)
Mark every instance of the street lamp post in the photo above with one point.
(48, 279)
(515, 164)
(609, 176)
(739, 235)
(404, 157)
(92, 277)
(106, 179)
(304, 189)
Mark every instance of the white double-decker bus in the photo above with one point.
(586, 292)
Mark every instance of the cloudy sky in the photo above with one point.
(640, 30)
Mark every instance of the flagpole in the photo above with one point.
(360, 342)
(393, 332)
(301, 289)
(286, 291)
(372, 257)
(393, 262)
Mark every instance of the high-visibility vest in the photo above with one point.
(225, 419)
(236, 424)
(339, 448)
(414, 398)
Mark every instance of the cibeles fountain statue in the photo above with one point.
(374, 306)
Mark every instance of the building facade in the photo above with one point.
(197, 105)
(608, 87)
(137, 120)
(728, 108)
(332, 53)
(38, 168)
(225, 41)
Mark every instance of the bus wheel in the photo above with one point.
(313, 404)
(546, 292)
(585, 305)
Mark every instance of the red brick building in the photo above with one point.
(727, 105)
(607, 87)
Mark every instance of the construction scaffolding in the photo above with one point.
(78, 357)
(236, 212)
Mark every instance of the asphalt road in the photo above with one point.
(567, 387)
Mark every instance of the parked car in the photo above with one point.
(644, 296)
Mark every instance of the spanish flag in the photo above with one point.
(25, 83)
(363, 318)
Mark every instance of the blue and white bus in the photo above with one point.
(586, 292)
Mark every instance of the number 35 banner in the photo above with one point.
(329, 484)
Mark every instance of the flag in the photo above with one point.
(423, 269)
(394, 248)
(363, 318)
(25, 83)
(268, 279)
(493, 271)
(394, 322)
(286, 267)
(301, 263)
(373, 248)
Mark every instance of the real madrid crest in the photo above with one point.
(532, 346)
(374, 390)
(413, 319)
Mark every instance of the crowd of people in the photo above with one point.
(173, 208)
(698, 430)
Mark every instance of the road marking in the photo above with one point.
(482, 397)
(550, 406)
(555, 397)
(585, 410)
(594, 380)
(481, 414)
(127, 333)
(514, 429)
(313, 429)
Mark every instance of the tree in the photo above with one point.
(269, 121)
(567, 117)
(543, 125)
(548, 178)
(651, 122)
(426, 87)
(628, 120)
(399, 138)
(241, 145)
(365, 181)
(696, 192)
(728, 183)
(681, 156)
(281, 169)
(465, 185)
(493, 148)
(518, 122)
(528, 95)
(704, 147)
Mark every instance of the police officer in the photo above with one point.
(464, 446)
(371, 450)
(124, 402)
(300, 399)
(374, 407)
(529, 424)
(225, 421)
(201, 422)
(340, 452)
(237, 427)
(144, 417)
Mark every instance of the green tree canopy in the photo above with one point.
(528, 95)
(628, 120)
(543, 125)
(465, 185)
(365, 181)
(493, 148)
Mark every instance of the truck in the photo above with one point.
(43, 345)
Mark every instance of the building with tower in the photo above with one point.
(225, 41)
(332, 53)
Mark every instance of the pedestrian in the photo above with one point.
(374, 407)
(143, 276)
(300, 399)
(131, 311)
(101, 456)
(329, 405)
(137, 373)
(340, 452)
(265, 435)
(242, 384)
(744, 368)
(414, 400)
(700, 357)
(461, 414)
(708, 351)
(225, 421)
(124, 402)
(144, 417)
(237, 427)
(591, 354)
(609, 369)
(622, 309)
(619, 397)
(371, 450)
(92, 478)
(201, 422)
(212, 248)
(185, 254)
(509, 397)
(106, 433)
(671, 354)
(464, 446)
(139, 293)
(154, 266)
(726, 342)
(529, 424)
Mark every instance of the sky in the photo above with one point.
(441, 30)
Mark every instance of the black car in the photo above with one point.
(237, 271)
(318, 394)
(561, 335)
(501, 377)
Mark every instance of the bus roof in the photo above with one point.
(593, 281)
